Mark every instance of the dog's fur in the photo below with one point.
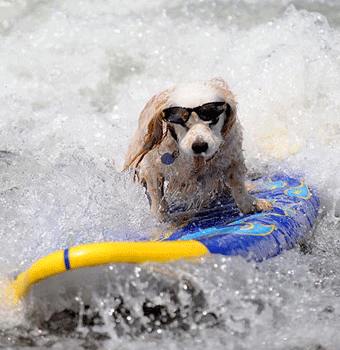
(191, 180)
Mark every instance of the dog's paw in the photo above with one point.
(263, 205)
(247, 206)
(253, 205)
(250, 186)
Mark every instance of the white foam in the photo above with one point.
(74, 77)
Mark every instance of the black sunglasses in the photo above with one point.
(209, 112)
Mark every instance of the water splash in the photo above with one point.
(75, 76)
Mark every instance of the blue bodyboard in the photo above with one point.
(224, 230)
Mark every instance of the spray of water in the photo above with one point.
(74, 76)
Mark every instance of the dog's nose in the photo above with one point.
(199, 147)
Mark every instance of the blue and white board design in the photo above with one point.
(223, 230)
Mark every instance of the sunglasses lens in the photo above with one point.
(211, 111)
(176, 115)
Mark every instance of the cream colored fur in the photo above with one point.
(190, 180)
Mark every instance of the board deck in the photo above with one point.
(258, 236)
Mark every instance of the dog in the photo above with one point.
(187, 150)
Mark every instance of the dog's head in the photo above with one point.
(197, 115)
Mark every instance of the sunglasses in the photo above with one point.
(209, 112)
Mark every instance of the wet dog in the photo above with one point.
(187, 150)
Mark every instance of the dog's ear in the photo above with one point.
(150, 132)
(222, 89)
(230, 118)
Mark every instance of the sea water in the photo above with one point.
(74, 76)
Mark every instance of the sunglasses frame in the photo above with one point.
(180, 115)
